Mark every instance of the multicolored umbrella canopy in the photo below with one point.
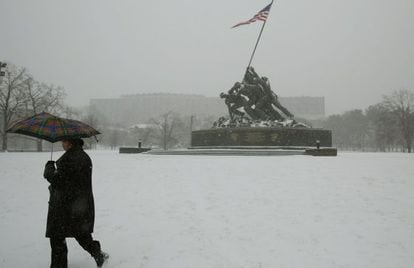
(52, 128)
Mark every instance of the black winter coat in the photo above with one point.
(71, 206)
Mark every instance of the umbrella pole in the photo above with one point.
(51, 153)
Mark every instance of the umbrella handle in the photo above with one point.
(51, 153)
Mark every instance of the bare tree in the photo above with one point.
(42, 97)
(12, 97)
(70, 112)
(383, 128)
(115, 138)
(90, 118)
(401, 105)
(168, 124)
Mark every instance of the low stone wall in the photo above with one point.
(322, 152)
(132, 150)
(261, 137)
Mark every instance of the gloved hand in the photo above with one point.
(49, 169)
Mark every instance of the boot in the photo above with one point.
(101, 258)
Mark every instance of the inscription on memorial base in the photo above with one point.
(294, 137)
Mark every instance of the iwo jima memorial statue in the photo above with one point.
(257, 120)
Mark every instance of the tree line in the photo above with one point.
(386, 126)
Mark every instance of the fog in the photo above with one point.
(352, 52)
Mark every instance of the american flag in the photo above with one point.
(261, 15)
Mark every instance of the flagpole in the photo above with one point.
(257, 43)
(258, 39)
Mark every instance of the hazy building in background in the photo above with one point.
(305, 107)
(132, 109)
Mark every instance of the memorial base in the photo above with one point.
(261, 137)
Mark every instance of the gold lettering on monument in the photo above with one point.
(254, 137)
(234, 136)
(274, 137)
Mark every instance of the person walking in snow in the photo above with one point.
(71, 206)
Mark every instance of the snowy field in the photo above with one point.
(354, 210)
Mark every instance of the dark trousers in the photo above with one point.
(60, 250)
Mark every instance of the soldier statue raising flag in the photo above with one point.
(253, 98)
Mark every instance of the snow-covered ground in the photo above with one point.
(354, 210)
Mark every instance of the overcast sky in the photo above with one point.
(352, 52)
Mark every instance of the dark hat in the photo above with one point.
(76, 141)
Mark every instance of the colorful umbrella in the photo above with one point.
(52, 128)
